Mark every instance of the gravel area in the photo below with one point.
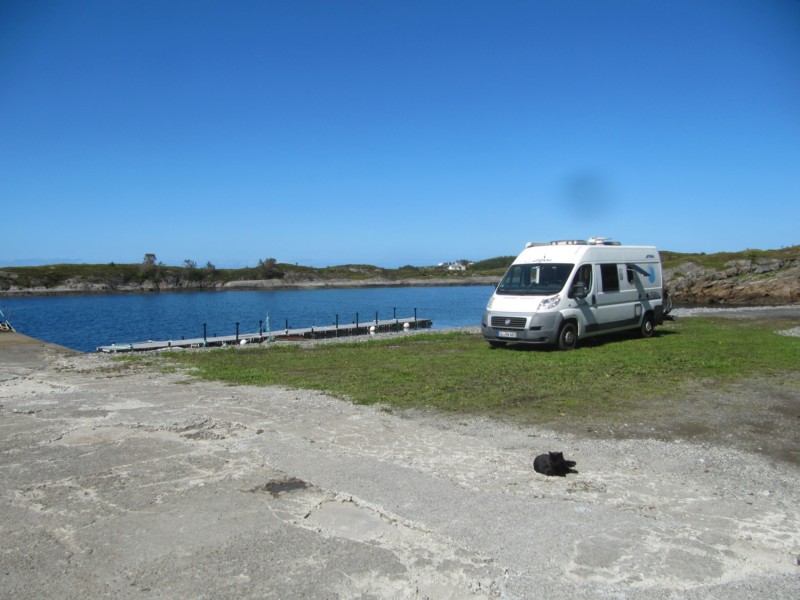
(788, 311)
(118, 481)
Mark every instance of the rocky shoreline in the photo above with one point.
(756, 282)
(766, 282)
(82, 287)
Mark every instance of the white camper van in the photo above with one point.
(560, 292)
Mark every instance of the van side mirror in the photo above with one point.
(579, 291)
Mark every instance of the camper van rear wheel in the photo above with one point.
(648, 328)
(568, 336)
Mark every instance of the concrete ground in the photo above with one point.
(121, 481)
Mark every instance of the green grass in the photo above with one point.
(459, 372)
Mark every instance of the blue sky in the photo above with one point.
(393, 133)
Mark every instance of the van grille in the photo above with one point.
(508, 322)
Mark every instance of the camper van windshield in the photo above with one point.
(541, 279)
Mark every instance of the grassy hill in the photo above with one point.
(671, 260)
(116, 276)
(144, 276)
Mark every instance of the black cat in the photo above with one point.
(553, 463)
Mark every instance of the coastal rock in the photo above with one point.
(755, 282)
(741, 281)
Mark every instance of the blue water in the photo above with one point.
(86, 322)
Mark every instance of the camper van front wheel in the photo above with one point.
(648, 328)
(568, 336)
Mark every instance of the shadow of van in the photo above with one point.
(589, 342)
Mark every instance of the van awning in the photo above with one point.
(638, 269)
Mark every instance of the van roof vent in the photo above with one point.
(592, 241)
(603, 241)
(568, 243)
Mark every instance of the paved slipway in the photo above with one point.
(123, 482)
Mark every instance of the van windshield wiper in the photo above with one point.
(525, 292)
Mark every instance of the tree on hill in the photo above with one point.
(191, 272)
(267, 268)
(499, 262)
(150, 269)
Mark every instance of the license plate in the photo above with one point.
(507, 334)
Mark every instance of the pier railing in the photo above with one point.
(262, 335)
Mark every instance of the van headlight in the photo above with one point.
(550, 303)
(489, 304)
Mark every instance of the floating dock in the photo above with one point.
(308, 333)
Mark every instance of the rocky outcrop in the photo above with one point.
(279, 284)
(751, 282)
(83, 287)
(757, 281)
(77, 286)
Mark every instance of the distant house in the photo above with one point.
(459, 265)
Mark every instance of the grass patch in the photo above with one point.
(459, 372)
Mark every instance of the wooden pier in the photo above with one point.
(308, 333)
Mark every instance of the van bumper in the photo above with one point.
(539, 328)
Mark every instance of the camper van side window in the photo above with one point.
(581, 283)
(609, 278)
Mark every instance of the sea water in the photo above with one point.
(85, 322)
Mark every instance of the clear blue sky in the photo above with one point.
(393, 133)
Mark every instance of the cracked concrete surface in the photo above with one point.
(121, 482)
